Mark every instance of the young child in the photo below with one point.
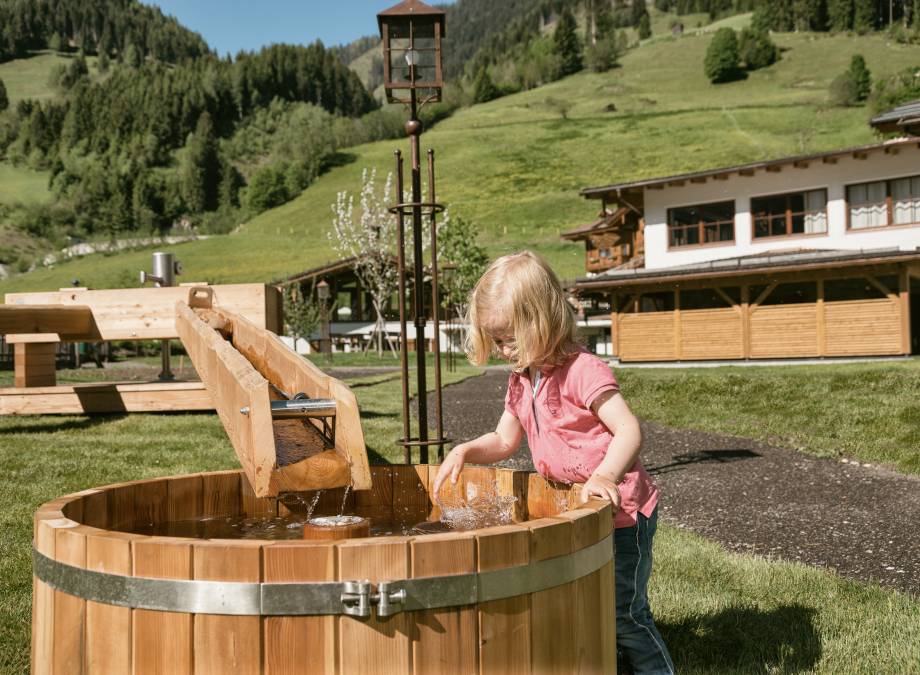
(578, 427)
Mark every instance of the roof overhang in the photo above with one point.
(745, 267)
(624, 190)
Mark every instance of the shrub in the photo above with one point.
(862, 78)
(645, 27)
(895, 90)
(484, 88)
(4, 99)
(602, 56)
(267, 189)
(843, 91)
(757, 50)
(721, 62)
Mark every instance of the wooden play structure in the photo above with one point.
(36, 322)
(293, 427)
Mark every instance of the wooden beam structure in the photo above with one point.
(68, 322)
(245, 368)
(105, 397)
(148, 313)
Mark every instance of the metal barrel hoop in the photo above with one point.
(354, 597)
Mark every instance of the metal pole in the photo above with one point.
(435, 306)
(414, 129)
(403, 347)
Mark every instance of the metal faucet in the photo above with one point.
(165, 270)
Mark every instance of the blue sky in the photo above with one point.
(231, 25)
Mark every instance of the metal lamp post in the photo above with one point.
(325, 338)
(411, 33)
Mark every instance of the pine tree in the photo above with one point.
(810, 15)
(4, 99)
(860, 76)
(484, 88)
(721, 62)
(200, 170)
(636, 12)
(840, 14)
(567, 45)
(645, 27)
(864, 15)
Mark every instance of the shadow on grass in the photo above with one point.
(745, 640)
(50, 425)
(702, 457)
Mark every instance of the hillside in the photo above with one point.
(514, 166)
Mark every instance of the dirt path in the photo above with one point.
(754, 497)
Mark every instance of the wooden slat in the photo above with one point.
(647, 336)
(234, 385)
(444, 640)
(377, 503)
(69, 611)
(221, 494)
(504, 625)
(299, 644)
(105, 397)
(161, 641)
(410, 492)
(48, 520)
(904, 307)
(783, 331)
(514, 484)
(863, 327)
(374, 645)
(69, 322)
(711, 334)
(227, 644)
(184, 499)
(108, 627)
(34, 365)
(553, 619)
(149, 313)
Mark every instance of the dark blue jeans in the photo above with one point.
(639, 644)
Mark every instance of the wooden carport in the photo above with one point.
(747, 325)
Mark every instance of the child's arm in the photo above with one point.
(611, 409)
(487, 449)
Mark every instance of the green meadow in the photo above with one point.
(514, 166)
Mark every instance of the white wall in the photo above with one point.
(833, 177)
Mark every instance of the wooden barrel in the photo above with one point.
(535, 595)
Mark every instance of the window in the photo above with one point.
(884, 202)
(793, 213)
(705, 224)
(662, 301)
(857, 288)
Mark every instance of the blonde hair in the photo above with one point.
(519, 293)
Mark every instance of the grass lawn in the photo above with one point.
(22, 185)
(514, 166)
(867, 411)
(719, 612)
(30, 77)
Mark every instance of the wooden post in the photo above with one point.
(904, 293)
(746, 320)
(822, 321)
(614, 326)
(34, 360)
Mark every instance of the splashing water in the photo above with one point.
(482, 507)
(344, 499)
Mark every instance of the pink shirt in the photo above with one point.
(567, 440)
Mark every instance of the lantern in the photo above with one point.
(412, 33)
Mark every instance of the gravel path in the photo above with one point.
(751, 496)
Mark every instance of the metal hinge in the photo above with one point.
(359, 596)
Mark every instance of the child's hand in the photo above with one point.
(602, 487)
(451, 466)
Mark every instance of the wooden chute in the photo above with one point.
(248, 371)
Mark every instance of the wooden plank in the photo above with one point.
(554, 640)
(48, 519)
(863, 327)
(410, 492)
(678, 343)
(108, 627)
(184, 497)
(34, 364)
(105, 397)
(377, 503)
(227, 644)
(73, 322)
(221, 493)
(822, 319)
(149, 313)
(513, 483)
(234, 385)
(746, 321)
(444, 640)
(504, 625)
(299, 644)
(374, 645)
(69, 611)
(784, 331)
(161, 641)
